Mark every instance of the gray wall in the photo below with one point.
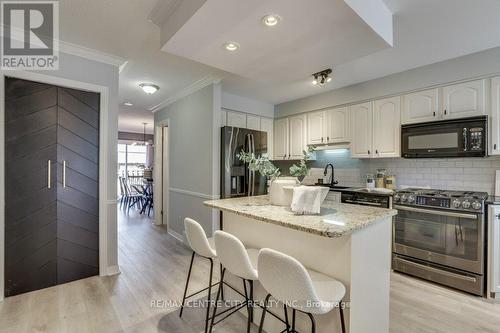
(463, 68)
(193, 158)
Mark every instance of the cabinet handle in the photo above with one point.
(64, 174)
(289, 155)
(48, 173)
(368, 152)
(434, 113)
(284, 156)
(376, 151)
(445, 112)
(321, 139)
(498, 216)
(495, 146)
(327, 139)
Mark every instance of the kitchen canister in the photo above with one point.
(390, 182)
(380, 178)
(370, 181)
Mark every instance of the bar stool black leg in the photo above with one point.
(293, 320)
(222, 290)
(286, 319)
(187, 284)
(247, 300)
(313, 323)
(209, 294)
(264, 309)
(342, 322)
(251, 300)
(219, 291)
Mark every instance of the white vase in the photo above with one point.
(278, 194)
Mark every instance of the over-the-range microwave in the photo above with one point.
(465, 137)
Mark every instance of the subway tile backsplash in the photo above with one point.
(475, 174)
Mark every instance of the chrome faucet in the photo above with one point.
(333, 182)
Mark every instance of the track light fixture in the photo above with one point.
(321, 78)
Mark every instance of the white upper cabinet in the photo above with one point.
(495, 116)
(316, 128)
(236, 119)
(266, 125)
(362, 130)
(464, 99)
(421, 106)
(337, 125)
(297, 136)
(281, 139)
(253, 123)
(387, 127)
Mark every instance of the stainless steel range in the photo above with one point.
(439, 236)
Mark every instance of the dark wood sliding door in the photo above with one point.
(51, 191)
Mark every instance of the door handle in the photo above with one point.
(64, 174)
(48, 173)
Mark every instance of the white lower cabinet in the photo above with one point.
(266, 125)
(362, 130)
(495, 117)
(281, 139)
(387, 127)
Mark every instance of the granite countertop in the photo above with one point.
(335, 219)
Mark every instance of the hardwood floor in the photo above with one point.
(153, 267)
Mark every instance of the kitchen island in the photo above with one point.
(351, 243)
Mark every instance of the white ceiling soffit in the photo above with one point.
(313, 35)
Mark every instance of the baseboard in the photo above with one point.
(113, 270)
(177, 236)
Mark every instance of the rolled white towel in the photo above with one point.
(308, 199)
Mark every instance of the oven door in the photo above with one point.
(444, 139)
(446, 238)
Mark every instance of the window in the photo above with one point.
(132, 159)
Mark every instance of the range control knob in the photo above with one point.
(411, 198)
(466, 204)
(476, 205)
(456, 203)
(403, 198)
(396, 197)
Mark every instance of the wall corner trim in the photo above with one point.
(113, 270)
(193, 87)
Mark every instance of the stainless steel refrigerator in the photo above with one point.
(236, 179)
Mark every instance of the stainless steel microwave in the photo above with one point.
(465, 137)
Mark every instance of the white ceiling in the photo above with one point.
(313, 35)
(425, 32)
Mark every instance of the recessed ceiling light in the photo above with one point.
(231, 46)
(271, 20)
(149, 88)
(128, 103)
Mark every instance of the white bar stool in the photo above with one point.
(203, 247)
(240, 262)
(307, 291)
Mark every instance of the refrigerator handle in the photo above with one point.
(249, 150)
(253, 172)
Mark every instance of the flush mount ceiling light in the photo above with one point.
(127, 103)
(271, 20)
(322, 78)
(231, 46)
(149, 88)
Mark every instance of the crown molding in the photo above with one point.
(91, 54)
(193, 87)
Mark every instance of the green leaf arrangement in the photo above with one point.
(260, 164)
(301, 170)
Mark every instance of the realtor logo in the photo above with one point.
(30, 35)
